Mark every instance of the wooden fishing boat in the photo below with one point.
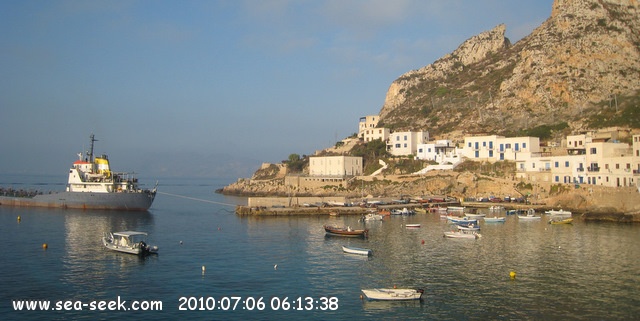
(356, 250)
(345, 231)
(393, 294)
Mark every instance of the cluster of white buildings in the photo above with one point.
(589, 158)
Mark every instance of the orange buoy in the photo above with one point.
(45, 246)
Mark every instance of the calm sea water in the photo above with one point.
(573, 272)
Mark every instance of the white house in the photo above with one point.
(367, 122)
(406, 143)
(610, 164)
(339, 166)
(439, 151)
(496, 148)
(370, 134)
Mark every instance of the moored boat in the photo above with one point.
(531, 215)
(561, 221)
(393, 294)
(345, 231)
(470, 227)
(91, 185)
(412, 225)
(372, 217)
(356, 250)
(495, 219)
(474, 215)
(462, 221)
(462, 234)
(559, 212)
(131, 242)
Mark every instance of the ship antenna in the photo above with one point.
(90, 154)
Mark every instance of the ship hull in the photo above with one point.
(139, 201)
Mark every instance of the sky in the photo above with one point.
(214, 88)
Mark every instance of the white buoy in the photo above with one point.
(275, 267)
(203, 269)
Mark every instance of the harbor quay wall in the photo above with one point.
(294, 201)
(289, 211)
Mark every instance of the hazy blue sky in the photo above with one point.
(214, 88)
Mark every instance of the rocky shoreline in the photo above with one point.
(591, 203)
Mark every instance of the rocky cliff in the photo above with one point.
(584, 58)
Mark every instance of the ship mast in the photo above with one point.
(90, 152)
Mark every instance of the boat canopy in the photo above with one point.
(129, 233)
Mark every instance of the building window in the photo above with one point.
(524, 145)
(419, 150)
(593, 150)
(566, 164)
(405, 145)
(557, 164)
(491, 145)
(398, 145)
(477, 154)
(405, 137)
(484, 144)
(557, 179)
(490, 153)
(617, 166)
(517, 146)
(469, 144)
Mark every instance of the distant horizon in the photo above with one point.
(214, 88)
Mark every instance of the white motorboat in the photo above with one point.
(356, 250)
(372, 217)
(529, 217)
(393, 294)
(412, 225)
(461, 234)
(474, 215)
(131, 242)
(470, 227)
(559, 212)
(495, 219)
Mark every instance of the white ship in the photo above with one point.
(91, 185)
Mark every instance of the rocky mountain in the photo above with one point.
(580, 68)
